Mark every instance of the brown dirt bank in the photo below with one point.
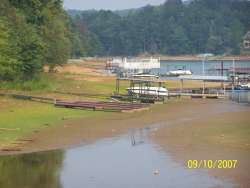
(224, 136)
(74, 132)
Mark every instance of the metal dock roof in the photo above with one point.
(156, 80)
(204, 78)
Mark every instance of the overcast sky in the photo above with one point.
(108, 4)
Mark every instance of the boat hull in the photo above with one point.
(152, 91)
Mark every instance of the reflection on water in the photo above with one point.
(114, 163)
(138, 136)
(39, 170)
(240, 96)
(126, 161)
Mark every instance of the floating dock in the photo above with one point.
(111, 106)
(199, 95)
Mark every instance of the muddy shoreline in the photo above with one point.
(182, 121)
(80, 131)
(189, 142)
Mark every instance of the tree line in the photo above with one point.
(32, 33)
(199, 26)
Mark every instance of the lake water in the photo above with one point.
(197, 68)
(127, 161)
(240, 96)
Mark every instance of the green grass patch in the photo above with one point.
(64, 83)
(20, 118)
(23, 117)
(42, 82)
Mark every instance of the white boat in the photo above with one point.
(145, 76)
(245, 86)
(179, 72)
(154, 91)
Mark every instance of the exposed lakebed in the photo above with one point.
(128, 160)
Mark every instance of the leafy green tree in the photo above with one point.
(172, 28)
(84, 43)
(8, 63)
(57, 43)
(29, 47)
(33, 33)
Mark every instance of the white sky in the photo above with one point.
(108, 4)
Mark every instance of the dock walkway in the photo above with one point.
(113, 106)
(199, 95)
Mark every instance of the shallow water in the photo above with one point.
(126, 161)
(240, 96)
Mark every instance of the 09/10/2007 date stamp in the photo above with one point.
(209, 164)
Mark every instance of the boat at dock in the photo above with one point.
(152, 91)
(179, 72)
(145, 76)
(243, 86)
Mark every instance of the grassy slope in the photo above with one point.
(19, 118)
(31, 116)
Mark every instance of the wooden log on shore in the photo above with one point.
(6, 129)
(28, 97)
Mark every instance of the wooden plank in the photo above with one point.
(99, 105)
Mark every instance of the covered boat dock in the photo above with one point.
(218, 93)
(141, 84)
(202, 92)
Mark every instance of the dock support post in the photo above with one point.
(181, 85)
(203, 89)
(116, 86)
(224, 87)
(158, 94)
(132, 85)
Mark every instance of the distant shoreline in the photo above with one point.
(197, 58)
(178, 58)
